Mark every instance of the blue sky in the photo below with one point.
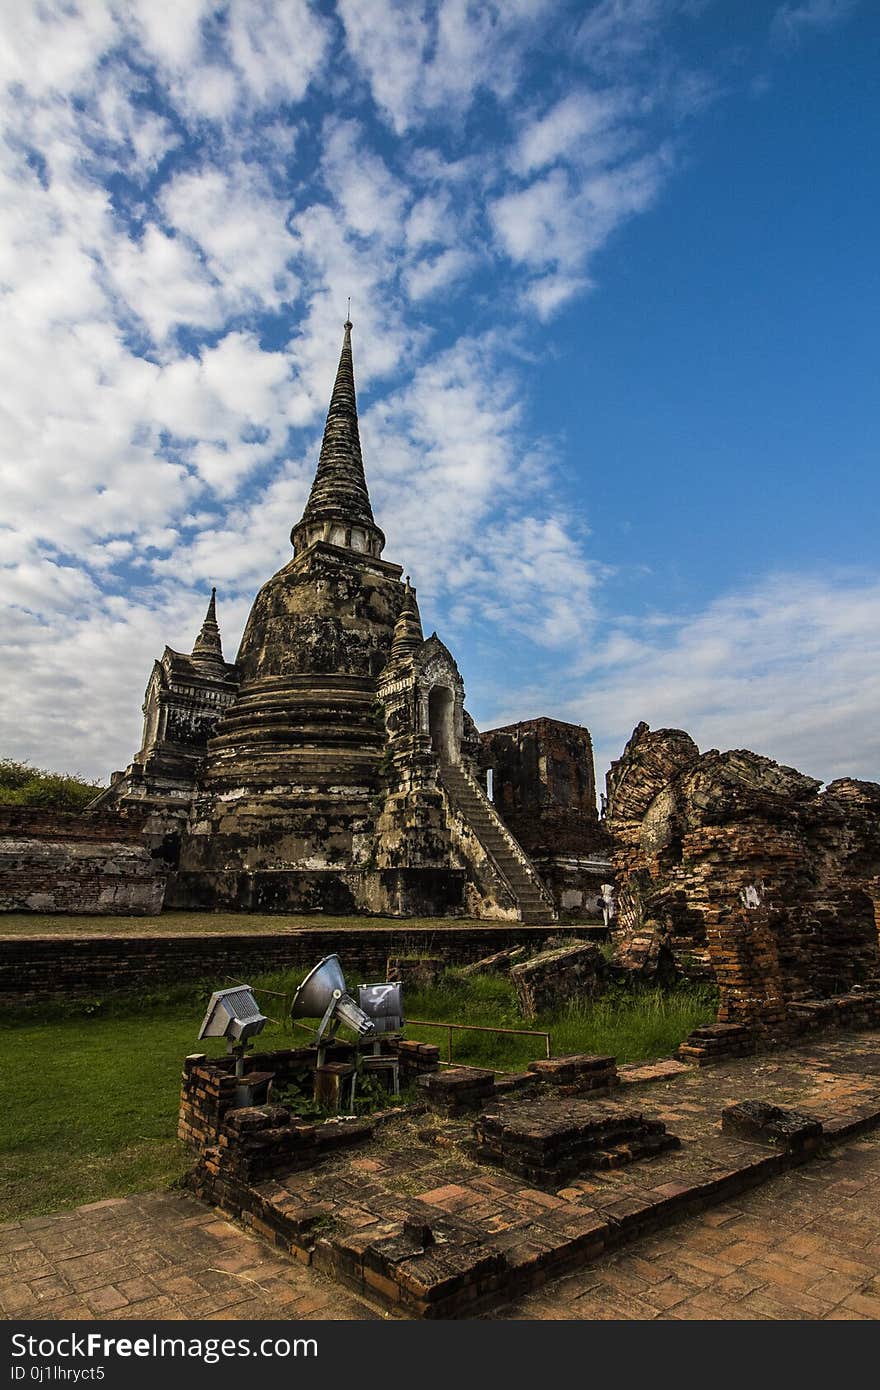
(614, 283)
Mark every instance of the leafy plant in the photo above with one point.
(23, 785)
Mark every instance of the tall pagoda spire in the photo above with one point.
(338, 509)
(207, 648)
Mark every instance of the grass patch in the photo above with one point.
(90, 1088)
(89, 1101)
(215, 923)
(632, 1023)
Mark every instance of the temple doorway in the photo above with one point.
(441, 723)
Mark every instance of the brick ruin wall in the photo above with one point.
(244, 1145)
(44, 967)
(545, 791)
(747, 864)
(56, 861)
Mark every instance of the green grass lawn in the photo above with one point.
(89, 1099)
(631, 1024)
(185, 923)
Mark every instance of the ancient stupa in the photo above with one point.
(338, 768)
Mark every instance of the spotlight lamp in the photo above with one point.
(323, 995)
(234, 1014)
(383, 1003)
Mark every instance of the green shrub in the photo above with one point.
(23, 785)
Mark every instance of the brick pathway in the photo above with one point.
(160, 1255)
(807, 1245)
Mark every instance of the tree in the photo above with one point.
(23, 785)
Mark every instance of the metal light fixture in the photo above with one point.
(235, 1015)
(323, 995)
(383, 1004)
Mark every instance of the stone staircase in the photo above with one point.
(535, 903)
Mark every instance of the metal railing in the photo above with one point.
(478, 1028)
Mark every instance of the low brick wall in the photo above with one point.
(43, 824)
(717, 1042)
(43, 967)
(57, 861)
(239, 1146)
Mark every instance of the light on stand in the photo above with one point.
(235, 1015)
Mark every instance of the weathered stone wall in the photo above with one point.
(54, 861)
(575, 881)
(44, 967)
(556, 977)
(544, 789)
(544, 785)
(745, 862)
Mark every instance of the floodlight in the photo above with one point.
(233, 1014)
(323, 995)
(383, 1004)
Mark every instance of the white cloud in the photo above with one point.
(163, 282)
(365, 193)
(560, 220)
(70, 42)
(794, 22)
(430, 220)
(616, 32)
(549, 292)
(279, 49)
(433, 59)
(429, 276)
(241, 228)
(789, 668)
(169, 30)
(571, 128)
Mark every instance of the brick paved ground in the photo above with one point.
(807, 1245)
(161, 1255)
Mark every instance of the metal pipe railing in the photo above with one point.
(478, 1028)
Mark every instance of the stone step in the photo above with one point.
(481, 817)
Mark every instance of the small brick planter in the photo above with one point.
(256, 1140)
(546, 1143)
(576, 1074)
(458, 1090)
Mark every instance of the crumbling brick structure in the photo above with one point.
(748, 863)
(544, 789)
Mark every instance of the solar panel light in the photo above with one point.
(384, 1005)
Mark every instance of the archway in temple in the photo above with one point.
(441, 723)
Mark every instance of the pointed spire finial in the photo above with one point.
(207, 646)
(338, 509)
(408, 635)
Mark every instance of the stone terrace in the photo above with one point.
(413, 1222)
(805, 1245)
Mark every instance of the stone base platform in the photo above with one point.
(414, 1224)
